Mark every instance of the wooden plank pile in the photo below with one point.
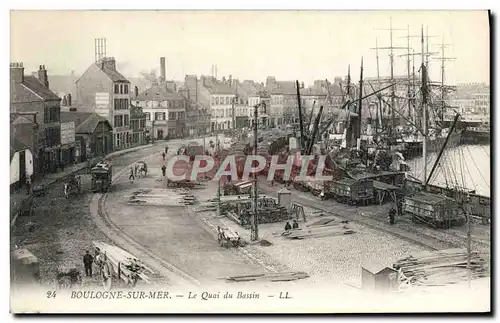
(317, 231)
(440, 267)
(130, 266)
(269, 277)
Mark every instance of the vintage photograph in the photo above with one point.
(250, 161)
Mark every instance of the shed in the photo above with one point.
(285, 198)
(378, 277)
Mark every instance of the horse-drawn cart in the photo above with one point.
(228, 238)
(116, 262)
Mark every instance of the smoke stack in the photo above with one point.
(136, 91)
(230, 80)
(163, 71)
(69, 99)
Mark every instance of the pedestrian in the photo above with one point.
(28, 184)
(295, 224)
(163, 170)
(163, 155)
(135, 169)
(322, 195)
(166, 149)
(288, 226)
(87, 262)
(392, 216)
(131, 177)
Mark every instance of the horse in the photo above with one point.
(142, 170)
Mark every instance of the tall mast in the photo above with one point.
(348, 82)
(391, 49)
(443, 86)
(360, 108)
(424, 107)
(413, 89)
(408, 72)
(393, 94)
(379, 106)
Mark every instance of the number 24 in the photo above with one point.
(51, 294)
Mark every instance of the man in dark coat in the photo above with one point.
(392, 216)
(163, 155)
(295, 224)
(87, 262)
(288, 226)
(163, 170)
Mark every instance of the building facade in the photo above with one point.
(103, 87)
(220, 98)
(137, 125)
(93, 134)
(165, 111)
(31, 97)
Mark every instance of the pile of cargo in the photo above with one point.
(268, 212)
(440, 267)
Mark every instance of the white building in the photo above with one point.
(220, 98)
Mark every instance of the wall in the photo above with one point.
(94, 80)
(14, 166)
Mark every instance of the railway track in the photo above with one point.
(431, 242)
(174, 275)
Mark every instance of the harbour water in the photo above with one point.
(465, 166)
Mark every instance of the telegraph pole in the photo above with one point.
(254, 220)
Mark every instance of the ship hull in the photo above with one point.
(415, 149)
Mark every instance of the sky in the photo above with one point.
(303, 45)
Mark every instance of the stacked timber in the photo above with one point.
(266, 214)
(317, 231)
(274, 277)
(440, 267)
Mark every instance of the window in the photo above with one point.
(126, 120)
(227, 100)
(116, 104)
(125, 104)
(117, 88)
(125, 89)
(212, 100)
(51, 114)
(171, 116)
(121, 88)
(159, 115)
(53, 136)
(148, 116)
(217, 100)
(118, 140)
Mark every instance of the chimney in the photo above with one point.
(171, 86)
(136, 91)
(42, 76)
(17, 72)
(230, 80)
(69, 99)
(163, 71)
(109, 63)
(302, 85)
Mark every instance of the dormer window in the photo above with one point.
(117, 88)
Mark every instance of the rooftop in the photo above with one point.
(85, 122)
(158, 93)
(31, 89)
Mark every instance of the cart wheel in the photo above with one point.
(106, 276)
